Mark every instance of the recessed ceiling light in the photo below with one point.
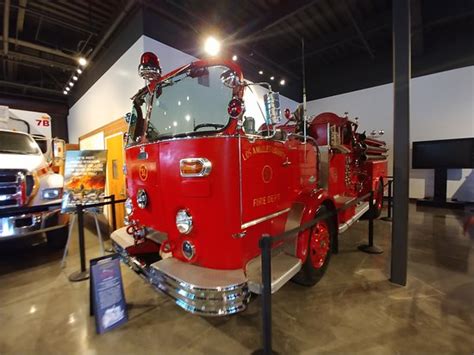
(234, 58)
(71, 84)
(74, 78)
(65, 92)
(82, 61)
(272, 78)
(260, 72)
(79, 70)
(282, 82)
(68, 88)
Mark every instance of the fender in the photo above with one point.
(312, 202)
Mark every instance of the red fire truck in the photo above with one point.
(204, 185)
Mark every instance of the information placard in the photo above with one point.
(84, 178)
(107, 295)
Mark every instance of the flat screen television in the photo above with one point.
(443, 154)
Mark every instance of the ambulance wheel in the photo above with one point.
(57, 238)
(318, 252)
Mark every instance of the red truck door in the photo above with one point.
(265, 172)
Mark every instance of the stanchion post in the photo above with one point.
(114, 215)
(82, 274)
(370, 247)
(266, 252)
(388, 218)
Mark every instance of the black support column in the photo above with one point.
(401, 133)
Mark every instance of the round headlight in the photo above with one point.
(188, 249)
(128, 206)
(184, 222)
(142, 198)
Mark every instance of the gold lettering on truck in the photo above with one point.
(266, 200)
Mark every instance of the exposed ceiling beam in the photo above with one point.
(30, 87)
(417, 39)
(104, 38)
(20, 19)
(40, 61)
(52, 19)
(346, 35)
(6, 25)
(41, 48)
(358, 30)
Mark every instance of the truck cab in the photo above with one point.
(27, 180)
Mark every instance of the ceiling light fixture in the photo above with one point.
(234, 58)
(68, 88)
(212, 46)
(65, 92)
(71, 84)
(82, 61)
(79, 71)
(260, 72)
(74, 78)
(282, 82)
(272, 78)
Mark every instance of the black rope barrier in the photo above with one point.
(83, 273)
(267, 241)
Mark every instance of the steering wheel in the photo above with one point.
(216, 126)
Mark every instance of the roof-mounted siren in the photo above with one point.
(149, 68)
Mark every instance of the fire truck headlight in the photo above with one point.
(189, 250)
(128, 206)
(184, 222)
(52, 194)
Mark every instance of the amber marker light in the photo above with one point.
(195, 167)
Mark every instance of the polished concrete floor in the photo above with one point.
(354, 309)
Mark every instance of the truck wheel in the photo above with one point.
(318, 253)
(57, 238)
(378, 205)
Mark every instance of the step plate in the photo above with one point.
(284, 267)
(359, 212)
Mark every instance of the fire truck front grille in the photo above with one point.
(10, 187)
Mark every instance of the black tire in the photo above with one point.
(377, 208)
(309, 275)
(57, 238)
(378, 205)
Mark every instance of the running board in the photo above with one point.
(284, 267)
(359, 212)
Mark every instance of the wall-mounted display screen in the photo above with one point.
(448, 153)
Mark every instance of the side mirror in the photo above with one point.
(272, 107)
(230, 79)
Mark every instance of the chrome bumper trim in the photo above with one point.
(210, 300)
(34, 223)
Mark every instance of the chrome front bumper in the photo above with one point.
(26, 224)
(198, 290)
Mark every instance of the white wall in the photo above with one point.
(441, 107)
(109, 97)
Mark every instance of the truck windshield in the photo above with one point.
(17, 143)
(191, 102)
